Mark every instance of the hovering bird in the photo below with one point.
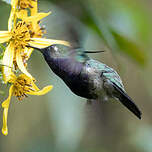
(86, 77)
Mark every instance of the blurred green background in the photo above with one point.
(61, 121)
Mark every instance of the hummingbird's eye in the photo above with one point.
(55, 48)
(59, 50)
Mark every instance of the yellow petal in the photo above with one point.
(37, 17)
(5, 105)
(21, 65)
(42, 42)
(12, 18)
(4, 36)
(28, 52)
(14, 3)
(34, 19)
(34, 86)
(34, 7)
(41, 92)
(12, 78)
(22, 14)
(5, 128)
(8, 62)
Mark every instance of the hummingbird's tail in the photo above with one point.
(127, 101)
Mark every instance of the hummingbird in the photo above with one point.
(86, 77)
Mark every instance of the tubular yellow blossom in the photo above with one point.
(21, 87)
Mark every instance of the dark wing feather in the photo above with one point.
(126, 101)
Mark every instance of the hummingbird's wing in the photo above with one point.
(79, 55)
(107, 72)
(119, 91)
(113, 76)
(75, 35)
(114, 86)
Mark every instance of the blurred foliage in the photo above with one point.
(7, 1)
(61, 121)
(85, 12)
(2, 47)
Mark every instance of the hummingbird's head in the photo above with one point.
(53, 50)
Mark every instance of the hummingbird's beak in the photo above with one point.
(29, 46)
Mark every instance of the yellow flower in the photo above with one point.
(23, 31)
(21, 87)
(31, 4)
(19, 37)
(26, 3)
(33, 23)
(21, 34)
